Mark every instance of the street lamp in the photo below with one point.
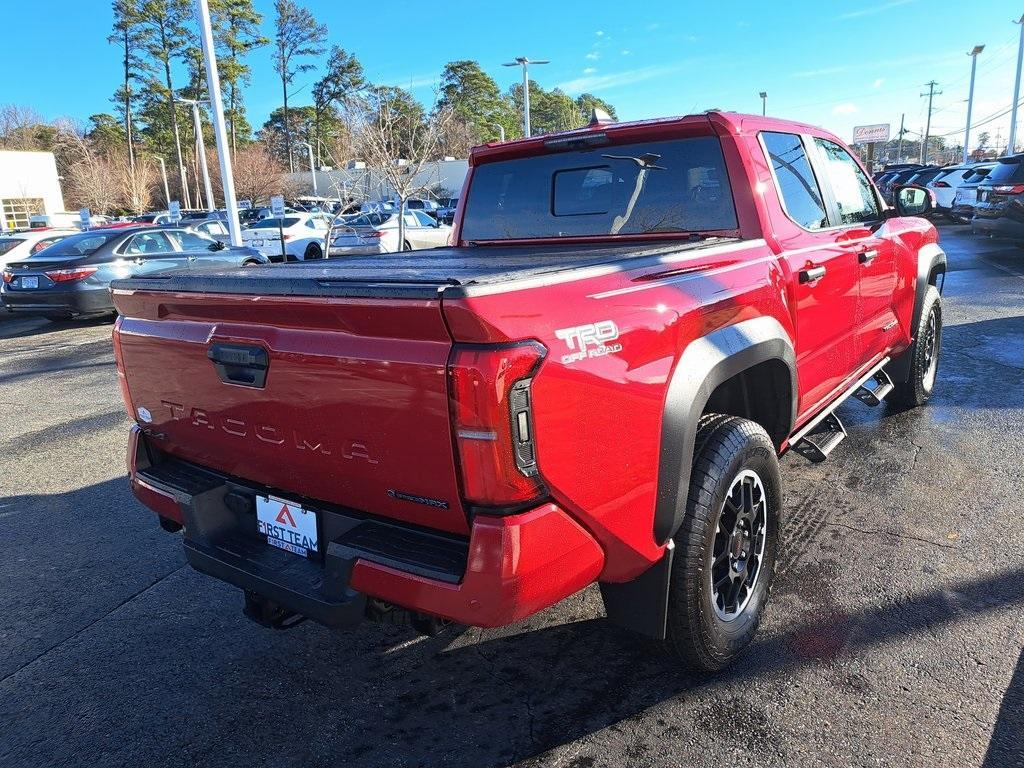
(219, 130)
(163, 172)
(1016, 90)
(200, 149)
(522, 61)
(764, 103)
(973, 53)
(312, 166)
(501, 130)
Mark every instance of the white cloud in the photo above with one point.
(879, 82)
(625, 52)
(652, 27)
(844, 109)
(589, 71)
(593, 56)
(872, 10)
(628, 77)
(600, 33)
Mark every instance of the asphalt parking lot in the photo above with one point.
(894, 635)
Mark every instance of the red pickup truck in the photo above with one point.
(593, 384)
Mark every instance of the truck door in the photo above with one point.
(858, 216)
(823, 287)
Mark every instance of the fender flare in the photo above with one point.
(704, 364)
(929, 257)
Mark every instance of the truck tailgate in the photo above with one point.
(353, 409)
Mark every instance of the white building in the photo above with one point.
(28, 185)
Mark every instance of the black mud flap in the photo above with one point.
(641, 605)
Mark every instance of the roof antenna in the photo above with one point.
(599, 117)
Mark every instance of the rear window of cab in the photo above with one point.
(672, 186)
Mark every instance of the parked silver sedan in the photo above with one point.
(372, 233)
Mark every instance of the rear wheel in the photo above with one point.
(312, 252)
(924, 354)
(725, 550)
(250, 263)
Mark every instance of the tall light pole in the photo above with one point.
(522, 61)
(163, 173)
(219, 130)
(1016, 90)
(973, 53)
(764, 103)
(312, 166)
(501, 131)
(200, 149)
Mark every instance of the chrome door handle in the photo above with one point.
(811, 274)
(867, 256)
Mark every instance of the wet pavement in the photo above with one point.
(893, 637)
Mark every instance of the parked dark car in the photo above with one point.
(999, 208)
(967, 195)
(895, 182)
(71, 278)
(446, 213)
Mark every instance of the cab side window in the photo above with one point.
(147, 244)
(799, 190)
(850, 186)
(189, 241)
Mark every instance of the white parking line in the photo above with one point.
(1007, 270)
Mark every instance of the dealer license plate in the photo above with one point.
(287, 526)
(30, 281)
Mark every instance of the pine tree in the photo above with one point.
(297, 36)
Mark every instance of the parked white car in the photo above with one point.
(948, 182)
(304, 235)
(17, 246)
(370, 233)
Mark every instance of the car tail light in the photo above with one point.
(1008, 189)
(374, 233)
(941, 185)
(67, 275)
(8, 277)
(119, 364)
(492, 414)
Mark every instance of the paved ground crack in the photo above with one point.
(880, 532)
(91, 624)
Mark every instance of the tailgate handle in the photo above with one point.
(240, 364)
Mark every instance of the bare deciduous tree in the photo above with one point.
(396, 141)
(90, 178)
(136, 181)
(257, 175)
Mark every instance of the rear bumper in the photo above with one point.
(509, 568)
(355, 250)
(81, 300)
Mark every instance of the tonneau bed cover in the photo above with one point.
(412, 274)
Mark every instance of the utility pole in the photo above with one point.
(1016, 89)
(970, 98)
(522, 61)
(932, 93)
(899, 149)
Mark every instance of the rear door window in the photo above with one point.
(1006, 172)
(672, 186)
(148, 244)
(797, 186)
(851, 188)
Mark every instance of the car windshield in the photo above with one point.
(76, 246)
(665, 186)
(274, 223)
(364, 220)
(7, 243)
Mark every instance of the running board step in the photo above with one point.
(815, 446)
(875, 389)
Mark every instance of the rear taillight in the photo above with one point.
(119, 364)
(492, 412)
(374, 233)
(941, 184)
(1008, 189)
(67, 275)
(8, 277)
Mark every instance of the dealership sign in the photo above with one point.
(869, 134)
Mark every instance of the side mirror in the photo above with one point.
(216, 245)
(914, 201)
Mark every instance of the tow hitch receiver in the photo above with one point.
(269, 614)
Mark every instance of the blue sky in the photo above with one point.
(834, 64)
